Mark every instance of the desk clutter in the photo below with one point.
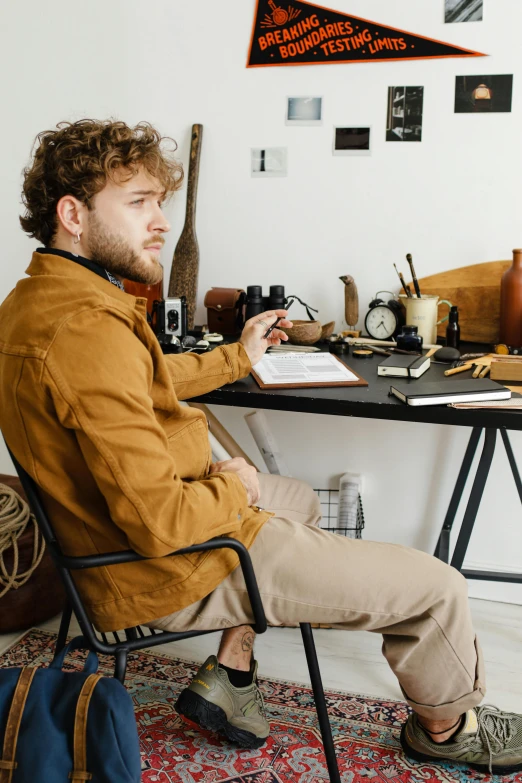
(401, 339)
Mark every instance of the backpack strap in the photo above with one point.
(8, 763)
(79, 773)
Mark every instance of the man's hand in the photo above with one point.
(245, 472)
(252, 336)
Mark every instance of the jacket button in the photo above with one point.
(239, 516)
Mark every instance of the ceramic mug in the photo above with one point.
(423, 314)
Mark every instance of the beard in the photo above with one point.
(114, 253)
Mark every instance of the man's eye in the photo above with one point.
(138, 201)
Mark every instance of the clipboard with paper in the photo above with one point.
(301, 371)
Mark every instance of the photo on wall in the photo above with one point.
(352, 141)
(482, 94)
(463, 11)
(404, 116)
(268, 162)
(305, 110)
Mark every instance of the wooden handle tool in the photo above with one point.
(485, 371)
(478, 369)
(455, 370)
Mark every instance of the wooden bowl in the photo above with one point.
(304, 332)
(327, 330)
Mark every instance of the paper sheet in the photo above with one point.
(302, 368)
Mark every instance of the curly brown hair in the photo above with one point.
(78, 158)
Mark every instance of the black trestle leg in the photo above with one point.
(320, 702)
(475, 497)
(443, 544)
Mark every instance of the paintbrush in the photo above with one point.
(401, 278)
(409, 259)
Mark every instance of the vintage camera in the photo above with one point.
(171, 316)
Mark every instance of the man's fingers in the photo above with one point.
(269, 316)
(277, 335)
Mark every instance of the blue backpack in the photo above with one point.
(63, 727)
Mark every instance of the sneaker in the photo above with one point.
(489, 740)
(213, 703)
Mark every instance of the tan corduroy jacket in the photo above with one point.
(90, 408)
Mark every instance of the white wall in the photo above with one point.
(453, 199)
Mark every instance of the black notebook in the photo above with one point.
(443, 392)
(404, 366)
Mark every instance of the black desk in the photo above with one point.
(373, 402)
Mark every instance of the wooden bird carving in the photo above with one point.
(351, 300)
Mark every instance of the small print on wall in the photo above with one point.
(268, 162)
(482, 94)
(352, 141)
(306, 110)
(404, 116)
(463, 11)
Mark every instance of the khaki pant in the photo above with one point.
(305, 574)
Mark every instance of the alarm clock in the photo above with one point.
(384, 319)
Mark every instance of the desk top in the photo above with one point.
(371, 402)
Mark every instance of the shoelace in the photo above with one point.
(495, 729)
(257, 701)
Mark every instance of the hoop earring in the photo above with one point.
(78, 237)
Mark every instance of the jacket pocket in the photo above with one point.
(190, 449)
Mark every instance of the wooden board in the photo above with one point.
(475, 290)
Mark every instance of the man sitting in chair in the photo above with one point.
(90, 408)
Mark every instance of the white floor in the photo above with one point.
(352, 661)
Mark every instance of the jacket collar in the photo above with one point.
(51, 264)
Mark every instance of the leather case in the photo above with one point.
(225, 310)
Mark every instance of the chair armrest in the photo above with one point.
(130, 556)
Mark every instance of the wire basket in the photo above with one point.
(354, 524)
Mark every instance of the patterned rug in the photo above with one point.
(366, 730)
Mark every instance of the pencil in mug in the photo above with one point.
(403, 283)
(409, 259)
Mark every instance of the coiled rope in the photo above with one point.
(14, 520)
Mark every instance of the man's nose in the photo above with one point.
(160, 224)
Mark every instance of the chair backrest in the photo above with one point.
(37, 508)
(65, 563)
(35, 502)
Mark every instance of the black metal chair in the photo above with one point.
(136, 638)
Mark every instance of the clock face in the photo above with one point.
(381, 322)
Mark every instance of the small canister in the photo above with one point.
(409, 339)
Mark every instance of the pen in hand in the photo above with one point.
(271, 328)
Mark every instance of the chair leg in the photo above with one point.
(120, 666)
(64, 629)
(320, 702)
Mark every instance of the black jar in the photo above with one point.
(409, 339)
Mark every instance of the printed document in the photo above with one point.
(302, 368)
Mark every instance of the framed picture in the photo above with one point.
(268, 162)
(463, 11)
(483, 94)
(404, 116)
(352, 141)
(304, 110)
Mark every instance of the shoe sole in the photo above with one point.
(210, 716)
(418, 756)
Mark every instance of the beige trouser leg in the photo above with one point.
(306, 574)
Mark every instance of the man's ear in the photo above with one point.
(71, 215)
